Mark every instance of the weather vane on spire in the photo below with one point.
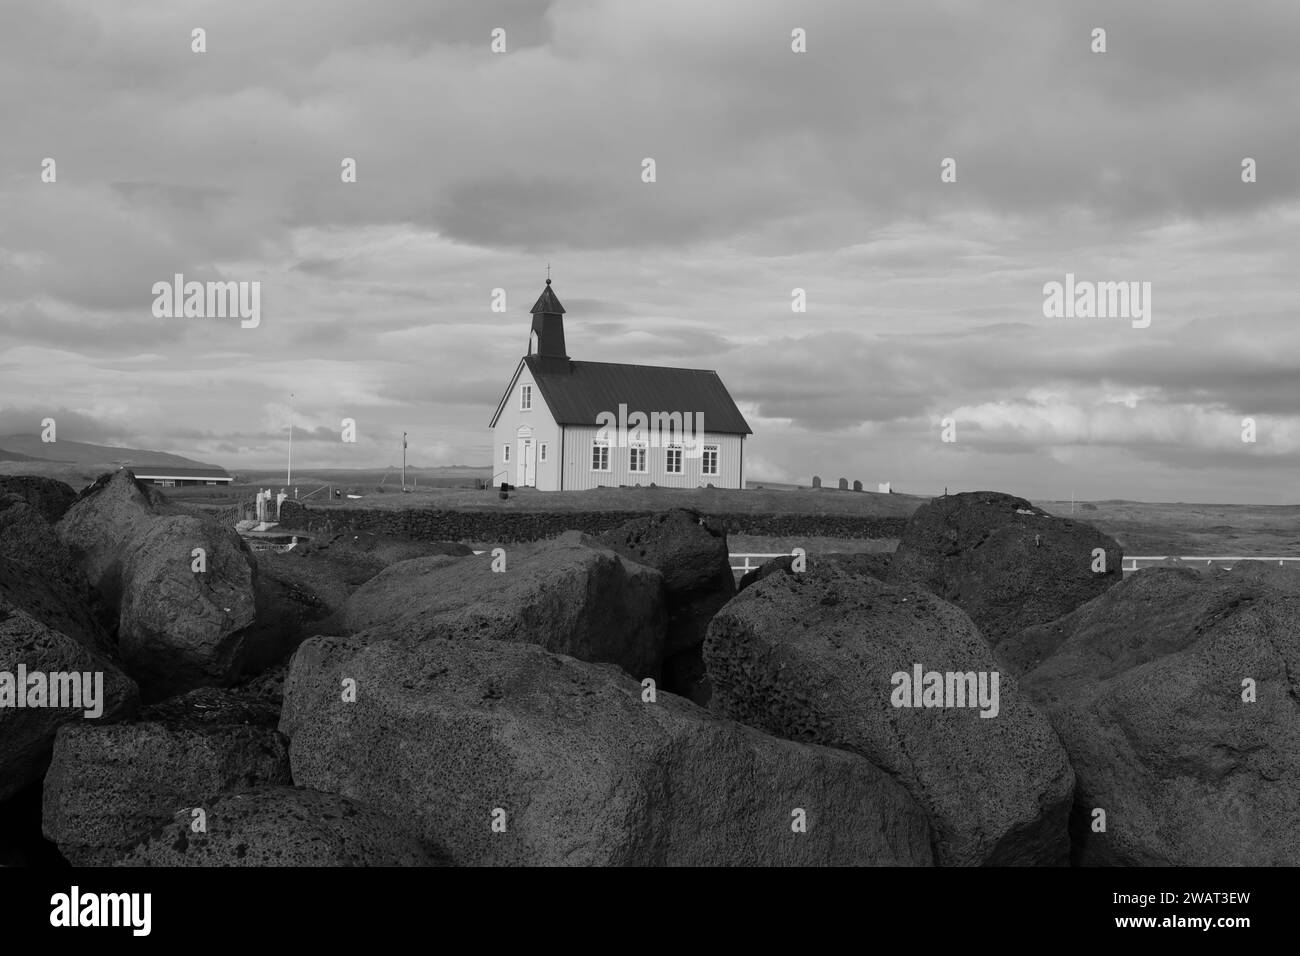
(548, 273)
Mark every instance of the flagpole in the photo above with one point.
(403, 461)
(288, 475)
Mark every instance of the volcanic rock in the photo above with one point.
(27, 733)
(283, 826)
(1177, 696)
(567, 594)
(108, 787)
(817, 656)
(506, 754)
(1004, 562)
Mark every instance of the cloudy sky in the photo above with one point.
(775, 170)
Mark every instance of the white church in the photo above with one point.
(564, 425)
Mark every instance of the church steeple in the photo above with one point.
(548, 331)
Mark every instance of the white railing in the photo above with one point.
(751, 560)
(758, 560)
(1131, 561)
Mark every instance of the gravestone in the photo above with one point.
(857, 486)
(844, 484)
(817, 481)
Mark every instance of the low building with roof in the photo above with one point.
(172, 476)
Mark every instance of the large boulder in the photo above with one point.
(177, 628)
(180, 629)
(39, 574)
(567, 594)
(31, 655)
(283, 827)
(104, 519)
(574, 764)
(818, 656)
(1148, 692)
(108, 787)
(1006, 563)
(51, 498)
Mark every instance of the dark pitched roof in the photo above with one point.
(589, 388)
(547, 302)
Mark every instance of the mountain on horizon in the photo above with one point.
(6, 455)
(31, 448)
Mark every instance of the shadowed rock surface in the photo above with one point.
(177, 629)
(586, 771)
(27, 733)
(180, 629)
(317, 577)
(1006, 563)
(51, 498)
(811, 656)
(690, 551)
(39, 574)
(268, 686)
(109, 786)
(1146, 693)
(284, 826)
(568, 594)
(298, 590)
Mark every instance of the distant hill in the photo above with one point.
(14, 456)
(31, 448)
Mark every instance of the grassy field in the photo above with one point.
(716, 500)
(1181, 529)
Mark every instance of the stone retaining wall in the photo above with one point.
(505, 527)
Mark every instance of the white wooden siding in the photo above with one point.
(578, 441)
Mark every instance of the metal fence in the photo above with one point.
(1131, 561)
(752, 561)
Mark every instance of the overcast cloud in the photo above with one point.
(775, 170)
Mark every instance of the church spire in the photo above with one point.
(547, 303)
